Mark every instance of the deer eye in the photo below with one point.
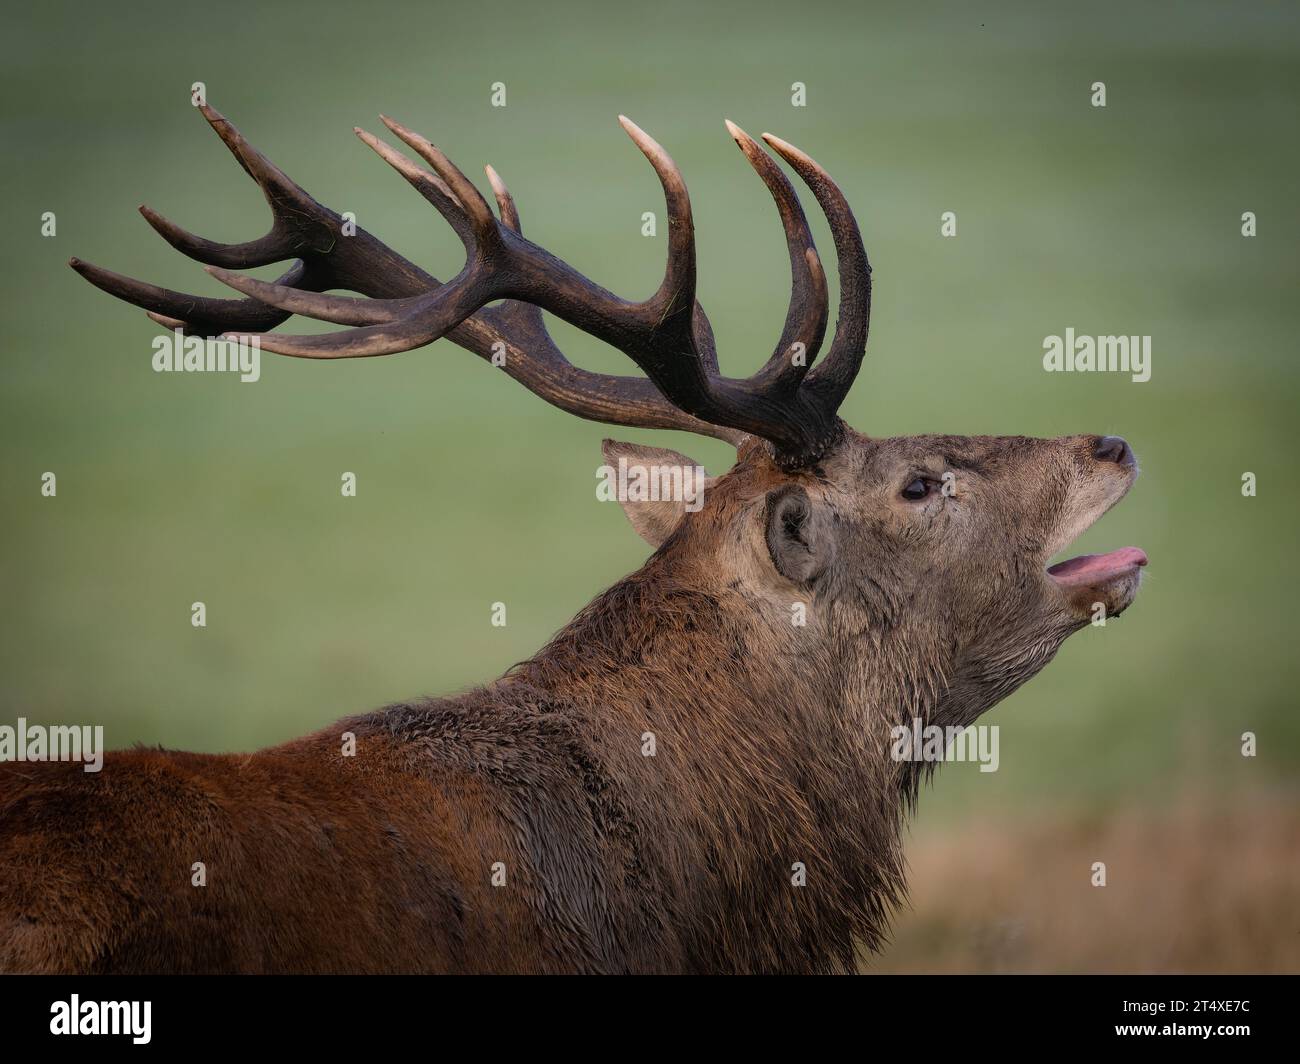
(917, 489)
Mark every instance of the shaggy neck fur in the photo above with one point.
(770, 751)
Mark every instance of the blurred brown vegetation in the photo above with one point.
(1201, 885)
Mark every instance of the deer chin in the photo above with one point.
(1110, 579)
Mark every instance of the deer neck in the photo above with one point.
(752, 754)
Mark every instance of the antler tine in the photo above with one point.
(833, 377)
(276, 187)
(805, 322)
(274, 183)
(354, 343)
(251, 253)
(608, 399)
(467, 195)
(505, 202)
(430, 186)
(430, 317)
(676, 294)
(347, 310)
(612, 400)
(291, 228)
(343, 310)
(191, 311)
(301, 227)
(405, 323)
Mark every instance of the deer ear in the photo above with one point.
(798, 538)
(655, 486)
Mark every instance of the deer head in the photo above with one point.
(922, 561)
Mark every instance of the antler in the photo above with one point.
(668, 335)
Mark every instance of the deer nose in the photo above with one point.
(1113, 449)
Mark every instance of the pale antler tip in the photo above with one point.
(782, 146)
(650, 147)
(420, 143)
(370, 139)
(743, 140)
(164, 320)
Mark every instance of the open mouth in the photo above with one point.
(1094, 570)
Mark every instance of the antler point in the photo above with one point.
(165, 321)
(784, 147)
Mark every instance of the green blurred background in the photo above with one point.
(174, 488)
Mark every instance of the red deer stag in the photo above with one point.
(521, 827)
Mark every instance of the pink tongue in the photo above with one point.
(1092, 568)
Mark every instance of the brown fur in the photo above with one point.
(771, 749)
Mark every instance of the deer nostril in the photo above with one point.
(1113, 449)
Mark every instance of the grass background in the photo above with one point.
(176, 488)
